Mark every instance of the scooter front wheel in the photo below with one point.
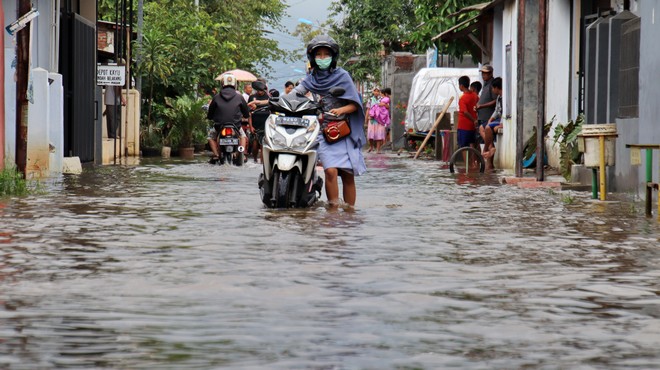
(285, 192)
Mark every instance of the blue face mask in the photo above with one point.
(323, 63)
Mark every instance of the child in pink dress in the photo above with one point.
(374, 130)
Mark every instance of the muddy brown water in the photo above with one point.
(177, 265)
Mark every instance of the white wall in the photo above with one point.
(558, 71)
(42, 34)
(10, 85)
(42, 29)
(506, 146)
(558, 63)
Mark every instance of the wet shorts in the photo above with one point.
(213, 135)
(465, 137)
(494, 124)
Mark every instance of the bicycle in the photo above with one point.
(465, 159)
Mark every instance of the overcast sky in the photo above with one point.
(313, 10)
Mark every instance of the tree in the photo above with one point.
(369, 28)
(156, 64)
(436, 17)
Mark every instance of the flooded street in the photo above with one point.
(177, 265)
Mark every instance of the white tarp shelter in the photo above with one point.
(430, 91)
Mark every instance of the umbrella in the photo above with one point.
(241, 75)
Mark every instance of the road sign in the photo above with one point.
(21, 22)
(110, 75)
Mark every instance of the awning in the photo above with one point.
(461, 28)
(482, 7)
(465, 28)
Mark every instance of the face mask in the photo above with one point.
(323, 63)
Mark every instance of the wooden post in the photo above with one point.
(435, 124)
(22, 72)
(601, 143)
(438, 143)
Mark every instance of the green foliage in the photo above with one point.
(12, 182)
(107, 9)
(186, 116)
(435, 17)
(306, 32)
(370, 28)
(567, 137)
(185, 47)
(530, 145)
(155, 64)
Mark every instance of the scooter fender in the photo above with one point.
(285, 162)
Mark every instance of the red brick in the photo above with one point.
(516, 180)
(539, 184)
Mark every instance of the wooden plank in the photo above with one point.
(435, 124)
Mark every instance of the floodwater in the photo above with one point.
(176, 265)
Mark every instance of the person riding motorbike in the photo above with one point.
(343, 158)
(258, 104)
(226, 106)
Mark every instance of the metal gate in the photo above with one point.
(78, 67)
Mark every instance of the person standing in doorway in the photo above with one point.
(487, 99)
(113, 98)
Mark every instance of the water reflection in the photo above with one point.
(178, 265)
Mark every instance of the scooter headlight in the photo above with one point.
(312, 126)
(300, 142)
(278, 139)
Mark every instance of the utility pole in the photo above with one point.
(140, 21)
(22, 66)
(2, 92)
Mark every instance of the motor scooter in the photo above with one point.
(289, 178)
(229, 146)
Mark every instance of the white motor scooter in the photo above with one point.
(289, 178)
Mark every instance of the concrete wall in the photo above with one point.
(38, 153)
(649, 74)
(557, 81)
(506, 145)
(398, 76)
(642, 130)
(10, 85)
(43, 28)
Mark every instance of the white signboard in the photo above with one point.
(432, 57)
(110, 75)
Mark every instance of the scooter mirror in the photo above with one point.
(337, 91)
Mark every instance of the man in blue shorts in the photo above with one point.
(493, 124)
(467, 119)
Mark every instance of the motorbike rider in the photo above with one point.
(227, 106)
(258, 102)
(343, 158)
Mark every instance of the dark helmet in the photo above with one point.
(320, 41)
(259, 86)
